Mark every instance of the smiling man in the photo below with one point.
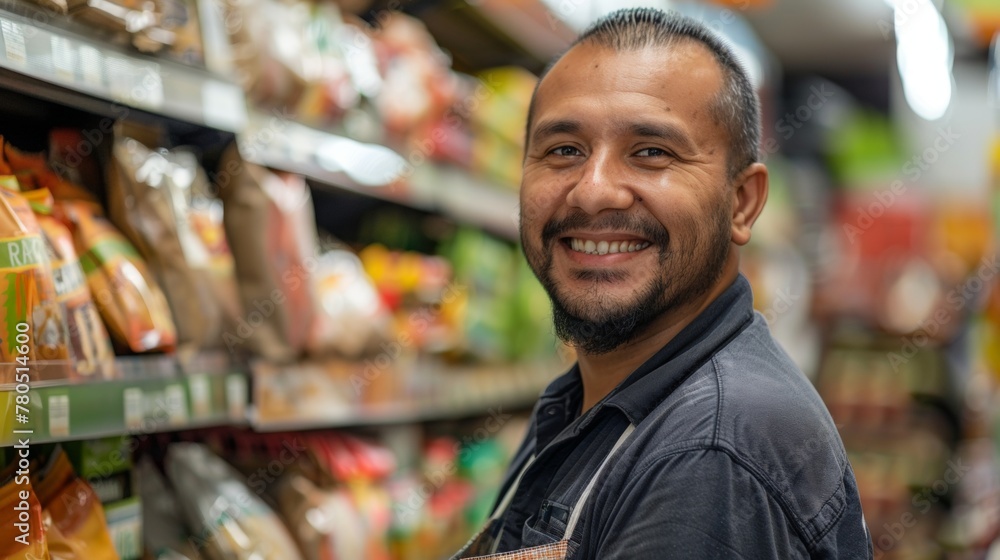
(684, 431)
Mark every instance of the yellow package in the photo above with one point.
(91, 345)
(24, 538)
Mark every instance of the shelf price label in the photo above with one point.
(236, 396)
(58, 415)
(176, 405)
(63, 57)
(133, 402)
(134, 82)
(201, 404)
(91, 66)
(13, 43)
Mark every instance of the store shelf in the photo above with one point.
(35, 48)
(377, 171)
(444, 394)
(150, 395)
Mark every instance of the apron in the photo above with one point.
(484, 544)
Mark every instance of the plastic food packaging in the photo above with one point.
(74, 519)
(24, 537)
(130, 301)
(272, 56)
(325, 523)
(228, 521)
(275, 258)
(89, 340)
(27, 290)
(149, 193)
(351, 314)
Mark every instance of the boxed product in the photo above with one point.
(125, 526)
(106, 464)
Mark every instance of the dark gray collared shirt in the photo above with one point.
(734, 455)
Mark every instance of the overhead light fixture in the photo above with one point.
(924, 56)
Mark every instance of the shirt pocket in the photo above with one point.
(546, 526)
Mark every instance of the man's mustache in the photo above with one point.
(623, 222)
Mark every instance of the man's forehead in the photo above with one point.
(683, 67)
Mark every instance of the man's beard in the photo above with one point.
(683, 277)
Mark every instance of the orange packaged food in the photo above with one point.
(132, 304)
(24, 537)
(27, 291)
(90, 343)
(73, 515)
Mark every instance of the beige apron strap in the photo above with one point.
(574, 517)
(509, 496)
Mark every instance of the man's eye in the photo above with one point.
(565, 151)
(652, 152)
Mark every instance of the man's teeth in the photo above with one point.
(605, 247)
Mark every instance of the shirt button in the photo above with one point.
(552, 410)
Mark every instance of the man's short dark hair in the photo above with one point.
(736, 107)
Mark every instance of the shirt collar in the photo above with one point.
(653, 381)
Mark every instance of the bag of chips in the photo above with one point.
(128, 298)
(27, 290)
(89, 340)
(73, 515)
(24, 537)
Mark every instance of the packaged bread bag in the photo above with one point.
(271, 230)
(128, 298)
(149, 199)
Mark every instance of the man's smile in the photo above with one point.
(602, 247)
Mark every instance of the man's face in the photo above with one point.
(625, 197)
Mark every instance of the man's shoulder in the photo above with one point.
(772, 419)
(752, 402)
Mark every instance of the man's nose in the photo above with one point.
(602, 185)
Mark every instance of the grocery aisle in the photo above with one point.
(263, 295)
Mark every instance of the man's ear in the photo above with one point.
(749, 197)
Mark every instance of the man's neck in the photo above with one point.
(601, 373)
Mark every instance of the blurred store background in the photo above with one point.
(262, 296)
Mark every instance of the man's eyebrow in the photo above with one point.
(551, 128)
(667, 132)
